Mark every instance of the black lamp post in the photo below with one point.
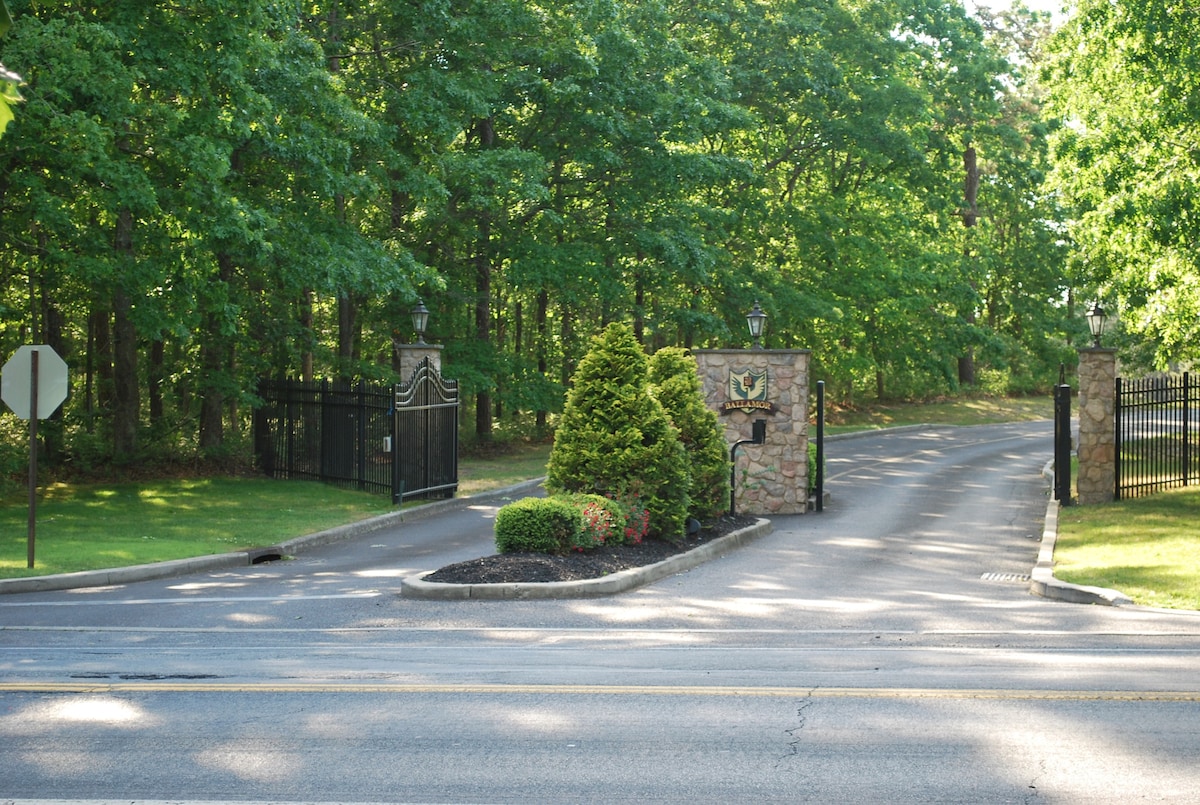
(756, 319)
(1096, 318)
(420, 318)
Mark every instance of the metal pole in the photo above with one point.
(1117, 434)
(820, 445)
(1187, 462)
(33, 420)
(1062, 444)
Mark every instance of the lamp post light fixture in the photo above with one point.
(420, 318)
(756, 319)
(1096, 318)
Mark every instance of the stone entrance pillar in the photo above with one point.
(1097, 425)
(771, 384)
(406, 358)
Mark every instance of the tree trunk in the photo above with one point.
(543, 309)
(306, 323)
(154, 381)
(486, 132)
(214, 350)
(483, 327)
(970, 216)
(126, 397)
(99, 361)
(52, 324)
(347, 314)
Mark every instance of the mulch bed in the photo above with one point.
(539, 567)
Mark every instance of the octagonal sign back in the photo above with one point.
(16, 381)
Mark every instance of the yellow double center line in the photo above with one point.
(134, 686)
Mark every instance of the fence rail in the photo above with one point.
(1156, 434)
(399, 440)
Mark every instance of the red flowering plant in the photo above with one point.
(599, 526)
(609, 520)
(599, 522)
(636, 518)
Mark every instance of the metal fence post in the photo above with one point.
(1062, 444)
(1187, 433)
(820, 480)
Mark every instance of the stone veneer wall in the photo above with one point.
(1097, 425)
(771, 478)
(410, 356)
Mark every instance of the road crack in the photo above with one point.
(795, 733)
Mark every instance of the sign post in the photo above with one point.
(33, 384)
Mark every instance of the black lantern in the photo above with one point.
(756, 319)
(420, 318)
(1096, 318)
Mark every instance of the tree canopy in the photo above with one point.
(195, 197)
(1126, 83)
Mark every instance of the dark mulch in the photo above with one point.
(538, 567)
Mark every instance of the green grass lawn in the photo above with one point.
(1148, 548)
(87, 527)
(968, 411)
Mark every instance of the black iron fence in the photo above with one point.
(400, 440)
(1156, 433)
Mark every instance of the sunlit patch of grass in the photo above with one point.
(1148, 548)
(967, 411)
(88, 527)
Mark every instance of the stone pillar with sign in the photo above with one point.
(772, 384)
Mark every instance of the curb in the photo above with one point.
(416, 587)
(201, 564)
(1042, 581)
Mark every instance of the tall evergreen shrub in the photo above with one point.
(615, 439)
(675, 383)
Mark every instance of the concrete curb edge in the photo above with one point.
(417, 588)
(1042, 581)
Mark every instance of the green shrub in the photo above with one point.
(537, 525)
(561, 523)
(614, 438)
(675, 383)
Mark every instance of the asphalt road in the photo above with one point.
(886, 650)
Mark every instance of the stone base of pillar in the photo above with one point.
(771, 384)
(1097, 422)
(408, 356)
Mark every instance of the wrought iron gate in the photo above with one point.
(399, 440)
(1156, 434)
(425, 448)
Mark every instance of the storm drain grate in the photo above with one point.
(1013, 578)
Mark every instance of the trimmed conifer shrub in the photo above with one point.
(675, 382)
(615, 439)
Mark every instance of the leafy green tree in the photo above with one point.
(1124, 77)
(615, 439)
(675, 383)
(9, 81)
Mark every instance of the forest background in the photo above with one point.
(194, 196)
